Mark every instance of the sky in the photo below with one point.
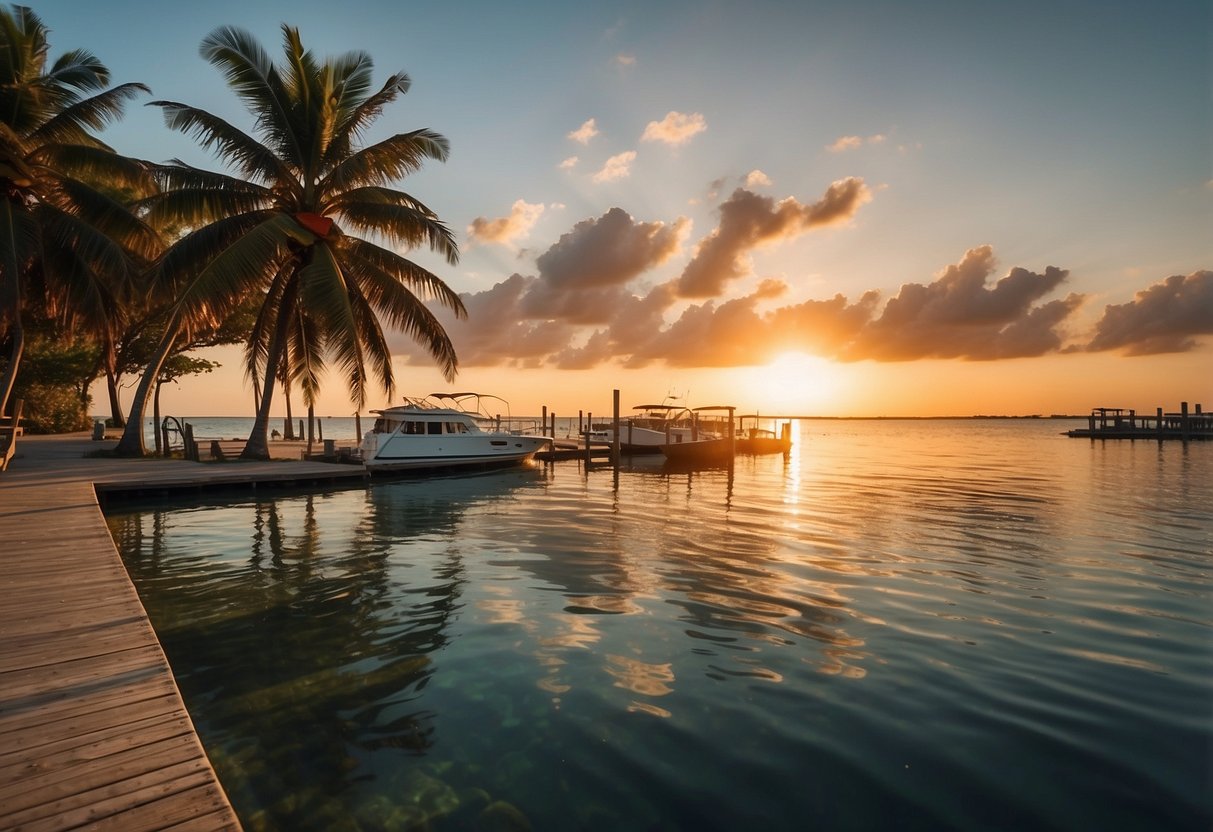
(813, 208)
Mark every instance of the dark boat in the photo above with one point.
(757, 440)
(699, 450)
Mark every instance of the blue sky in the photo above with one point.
(978, 137)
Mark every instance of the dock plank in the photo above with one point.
(93, 731)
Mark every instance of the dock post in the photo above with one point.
(615, 443)
(732, 438)
(544, 421)
(1132, 419)
(1183, 420)
(357, 427)
(1160, 423)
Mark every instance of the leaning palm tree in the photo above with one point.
(65, 239)
(276, 228)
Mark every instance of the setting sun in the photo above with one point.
(793, 383)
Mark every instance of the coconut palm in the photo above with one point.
(276, 228)
(65, 240)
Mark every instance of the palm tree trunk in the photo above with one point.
(17, 333)
(258, 444)
(132, 443)
(288, 427)
(111, 386)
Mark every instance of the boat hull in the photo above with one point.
(702, 450)
(764, 445)
(430, 453)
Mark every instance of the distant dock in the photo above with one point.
(1118, 423)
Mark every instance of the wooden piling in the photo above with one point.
(615, 422)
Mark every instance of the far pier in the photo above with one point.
(1118, 423)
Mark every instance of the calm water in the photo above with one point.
(910, 625)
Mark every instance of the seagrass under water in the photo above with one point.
(920, 625)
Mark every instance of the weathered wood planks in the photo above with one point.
(93, 731)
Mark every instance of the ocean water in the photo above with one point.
(903, 625)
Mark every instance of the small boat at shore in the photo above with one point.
(443, 430)
(753, 439)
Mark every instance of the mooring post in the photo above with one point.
(544, 421)
(1183, 420)
(357, 426)
(1160, 421)
(615, 443)
(580, 422)
(732, 438)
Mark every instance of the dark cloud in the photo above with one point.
(609, 251)
(579, 317)
(958, 316)
(748, 220)
(1166, 317)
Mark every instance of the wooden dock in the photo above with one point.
(1118, 423)
(93, 731)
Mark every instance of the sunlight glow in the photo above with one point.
(792, 384)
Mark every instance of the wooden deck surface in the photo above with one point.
(93, 732)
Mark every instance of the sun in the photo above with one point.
(792, 384)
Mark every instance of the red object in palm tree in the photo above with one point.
(318, 224)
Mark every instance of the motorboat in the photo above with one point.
(652, 426)
(713, 439)
(444, 430)
(752, 438)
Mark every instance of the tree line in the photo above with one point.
(113, 265)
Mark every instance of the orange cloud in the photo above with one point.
(585, 132)
(958, 316)
(675, 129)
(1166, 317)
(845, 143)
(748, 220)
(504, 230)
(618, 166)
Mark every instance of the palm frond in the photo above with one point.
(73, 122)
(402, 225)
(78, 69)
(405, 312)
(245, 153)
(104, 168)
(386, 264)
(63, 229)
(387, 161)
(190, 254)
(249, 261)
(110, 217)
(193, 206)
(256, 81)
(366, 112)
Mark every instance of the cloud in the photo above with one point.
(1166, 317)
(958, 316)
(844, 143)
(569, 163)
(625, 59)
(618, 166)
(748, 220)
(588, 306)
(757, 179)
(504, 230)
(585, 132)
(675, 129)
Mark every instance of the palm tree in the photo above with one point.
(63, 234)
(276, 229)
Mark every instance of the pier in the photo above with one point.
(93, 731)
(1118, 423)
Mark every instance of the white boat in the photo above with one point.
(653, 425)
(443, 430)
